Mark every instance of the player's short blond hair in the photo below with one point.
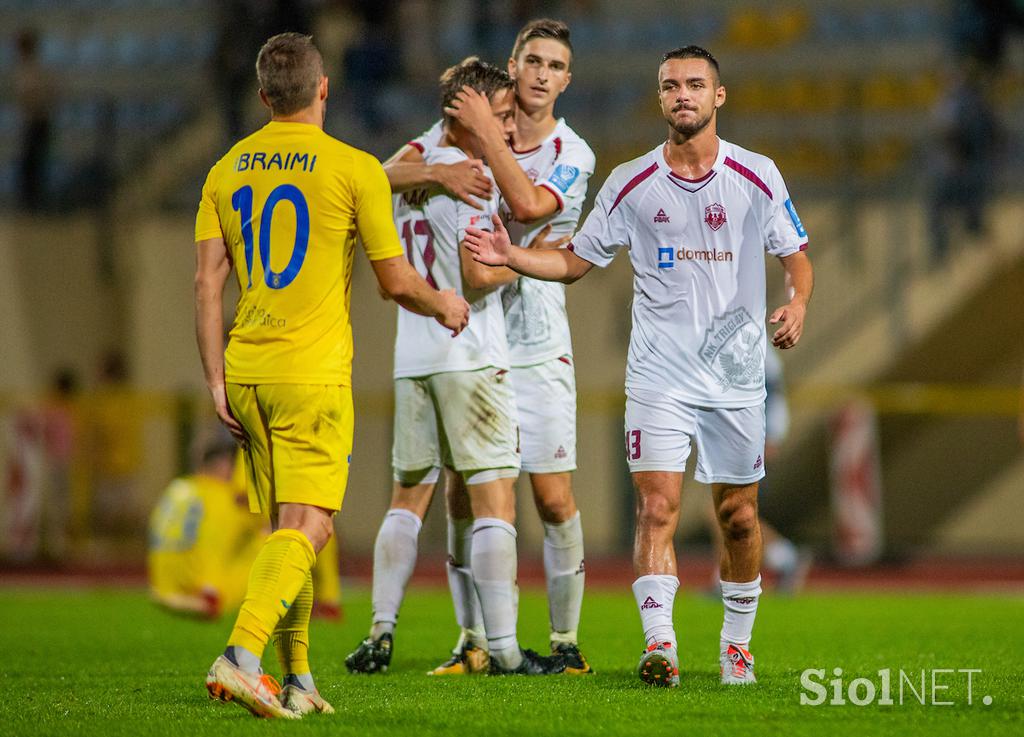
(289, 68)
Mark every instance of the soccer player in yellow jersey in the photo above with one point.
(202, 537)
(283, 209)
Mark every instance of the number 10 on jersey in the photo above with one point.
(242, 202)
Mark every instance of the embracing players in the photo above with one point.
(454, 405)
(697, 215)
(543, 182)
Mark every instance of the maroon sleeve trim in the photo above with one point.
(558, 197)
(417, 145)
(749, 175)
(631, 185)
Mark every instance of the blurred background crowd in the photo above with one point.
(899, 127)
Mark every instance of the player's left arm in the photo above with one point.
(213, 265)
(799, 285)
(528, 202)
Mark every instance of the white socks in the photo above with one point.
(563, 569)
(654, 595)
(394, 558)
(494, 565)
(740, 601)
(460, 583)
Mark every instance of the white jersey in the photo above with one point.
(432, 224)
(697, 250)
(536, 322)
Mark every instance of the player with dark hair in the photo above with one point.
(454, 406)
(697, 215)
(543, 181)
(282, 209)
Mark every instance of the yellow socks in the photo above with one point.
(278, 575)
(326, 578)
(291, 638)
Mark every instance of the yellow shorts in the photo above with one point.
(300, 443)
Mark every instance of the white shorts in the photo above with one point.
(659, 430)
(546, 400)
(461, 419)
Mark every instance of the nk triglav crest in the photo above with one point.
(732, 350)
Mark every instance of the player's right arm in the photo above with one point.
(407, 169)
(397, 278)
(496, 249)
(527, 201)
(399, 281)
(213, 266)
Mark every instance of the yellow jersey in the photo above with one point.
(202, 535)
(289, 201)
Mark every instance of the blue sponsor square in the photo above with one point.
(563, 176)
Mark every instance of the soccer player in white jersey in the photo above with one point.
(454, 404)
(697, 215)
(543, 180)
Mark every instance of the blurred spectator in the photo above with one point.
(60, 436)
(981, 27)
(242, 27)
(372, 62)
(962, 158)
(34, 91)
(202, 536)
(114, 426)
(39, 447)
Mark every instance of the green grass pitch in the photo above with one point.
(109, 663)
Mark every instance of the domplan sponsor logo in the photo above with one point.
(888, 687)
(668, 256)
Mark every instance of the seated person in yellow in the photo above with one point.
(203, 538)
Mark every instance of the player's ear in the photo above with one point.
(568, 79)
(264, 100)
(323, 88)
(720, 96)
(512, 67)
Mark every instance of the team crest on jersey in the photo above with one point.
(532, 174)
(714, 216)
(732, 350)
(661, 217)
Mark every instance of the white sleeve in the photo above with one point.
(568, 180)
(466, 216)
(429, 138)
(784, 233)
(605, 230)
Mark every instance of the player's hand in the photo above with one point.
(492, 249)
(792, 318)
(466, 180)
(540, 244)
(473, 110)
(454, 312)
(220, 403)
